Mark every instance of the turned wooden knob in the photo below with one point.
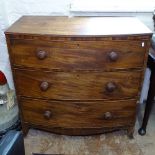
(113, 56)
(110, 87)
(47, 114)
(44, 86)
(41, 55)
(107, 115)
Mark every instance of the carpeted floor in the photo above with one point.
(116, 143)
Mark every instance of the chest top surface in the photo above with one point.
(78, 26)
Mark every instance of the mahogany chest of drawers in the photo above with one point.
(80, 75)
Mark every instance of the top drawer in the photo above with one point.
(78, 55)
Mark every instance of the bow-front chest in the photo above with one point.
(79, 75)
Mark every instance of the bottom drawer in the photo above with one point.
(69, 114)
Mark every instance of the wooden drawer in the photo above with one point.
(77, 85)
(68, 114)
(78, 55)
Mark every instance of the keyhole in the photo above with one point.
(78, 45)
(77, 76)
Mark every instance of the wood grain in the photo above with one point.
(66, 114)
(79, 55)
(78, 26)
(77, 85)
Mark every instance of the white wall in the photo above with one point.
(4, 61)
(11, 10)
(113, 5)
(16, 8)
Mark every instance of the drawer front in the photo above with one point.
(79, 55)
(77, 85)
(68, 114)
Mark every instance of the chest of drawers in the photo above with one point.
(78, 76)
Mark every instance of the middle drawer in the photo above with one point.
(77, 85)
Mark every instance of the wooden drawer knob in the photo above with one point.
(41, 55)
(110, 87)
(44, 86)
(113, 56)
(107, 115)
(47, 114)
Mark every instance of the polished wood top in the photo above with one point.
(78, 26)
